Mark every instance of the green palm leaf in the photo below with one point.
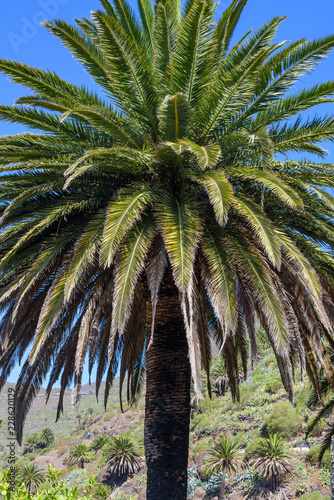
(189, 70)
(122, 214)
(280, 188)
(180, 228)
(220, 193)
(174, 114)
(133, 252)
(261, 226)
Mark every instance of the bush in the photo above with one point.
(258, 379)
(207, 404)
(283, 420)
(201, 422)
(313, 455)
(270, 361)
(317, 431)
(246, 393)
(313, 496)
(302, 397)
(199, 447)
(273, 385)
(252, 447)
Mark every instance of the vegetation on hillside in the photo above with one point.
(245, 423)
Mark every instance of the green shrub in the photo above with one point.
(283, 420)
(273, 385)
(252, 447)
(313, 455)
(207, 404)
(270, 361)
(199, 447)
(246, 393)
(317, 431)
(201, 422)
(313, 496)
(302, 397)
(258, 379)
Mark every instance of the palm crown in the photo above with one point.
(175, 167)
(122, 455)
(272, 458)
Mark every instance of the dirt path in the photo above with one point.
(51, 458)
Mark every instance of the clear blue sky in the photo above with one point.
(23, 39)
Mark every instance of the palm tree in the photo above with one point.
(271, 458)
(98, 442)
(219, 378)
(225, 456)
(79, 418)
(46, 437)
(122, 456)
(90, 411)
(81, 454)
(138, 224)
(31, 476)
(31, 443)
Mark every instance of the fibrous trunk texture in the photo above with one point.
(222, 485)
(167, 410)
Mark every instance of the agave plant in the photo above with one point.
(81, 454)
(31, 476)
(225, 456)
(122, 456)
(145, 219)
(272, 458)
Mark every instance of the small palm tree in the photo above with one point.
(81, 454)
(271, 458)
(46, 437)
(90, 410)
(220, 378)
(31, 476)
(123, 456)
(79, 418)
(31, 443)
(225, 456)
(98, 443)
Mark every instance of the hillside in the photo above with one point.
(263, 408)
(42, 415)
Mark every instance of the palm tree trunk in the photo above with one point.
(222, 485)
(332, 468)
(167, 409)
